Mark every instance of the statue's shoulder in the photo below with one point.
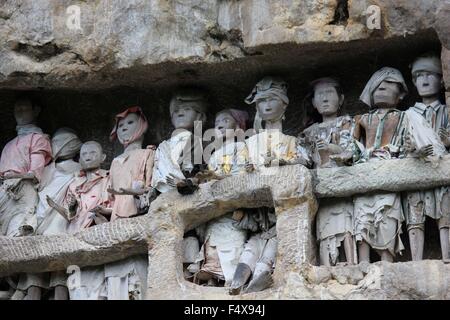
(311, 129)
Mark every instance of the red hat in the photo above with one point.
(143, 124)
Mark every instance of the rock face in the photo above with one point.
(159, 42)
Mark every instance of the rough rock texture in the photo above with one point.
(289, 189)
(419, 280)
(392, 175)
(130, 42)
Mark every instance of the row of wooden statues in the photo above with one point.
(44, 191)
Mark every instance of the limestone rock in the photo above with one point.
(140, 42)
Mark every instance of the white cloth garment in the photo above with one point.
(166, 160)
(55, 181)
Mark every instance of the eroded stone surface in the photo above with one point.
(390, 175)
(427, 279)
(170, 215)
(141, 42)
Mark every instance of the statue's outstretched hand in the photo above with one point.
(128, 191)
(172, 180)
(426, 151)
(102, 210)
(321, 145)
(444, 135)
(60, 209)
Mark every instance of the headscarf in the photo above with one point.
(430, 63)
(190, 95)
(240, 116)
(267, 87)
(142, 128)
(384, 74)
(67, 145)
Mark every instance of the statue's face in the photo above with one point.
(127, 127)
(387, 95)
(428, 83)
(184, 115)
(326, 99)
(24, 112)
(91, 157)
(226, 124)
(270, 108)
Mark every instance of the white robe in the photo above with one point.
(55, 181)
(166, 160)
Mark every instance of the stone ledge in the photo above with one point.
(170, 212)
(121, 239)
(390, 175)
(38, 50)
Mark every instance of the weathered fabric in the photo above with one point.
(433, 203)
(170, 159)
(29, 152)
(424, 125)
(196, 98)
(378, 219)
(40, 280)
(338, 132)
(335, 217)
(384, 74)
(224, 241)
(26, 154)
(142, 125)
(55, 182)
(269, 86)
(65, 144)
(18, 201)
(127, 279)
(334, 220)
(88, 195)
(394, 148)
(281, 146)
(260, 254)
(266, 88)
(88, 284)
(130, 170)
(191, 249)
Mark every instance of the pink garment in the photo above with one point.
(88, 195)
(133, 169)
(240, 116)
(143, 125)
(26, 154)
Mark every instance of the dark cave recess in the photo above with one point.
(91, 112)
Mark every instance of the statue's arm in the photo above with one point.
(65, 213)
